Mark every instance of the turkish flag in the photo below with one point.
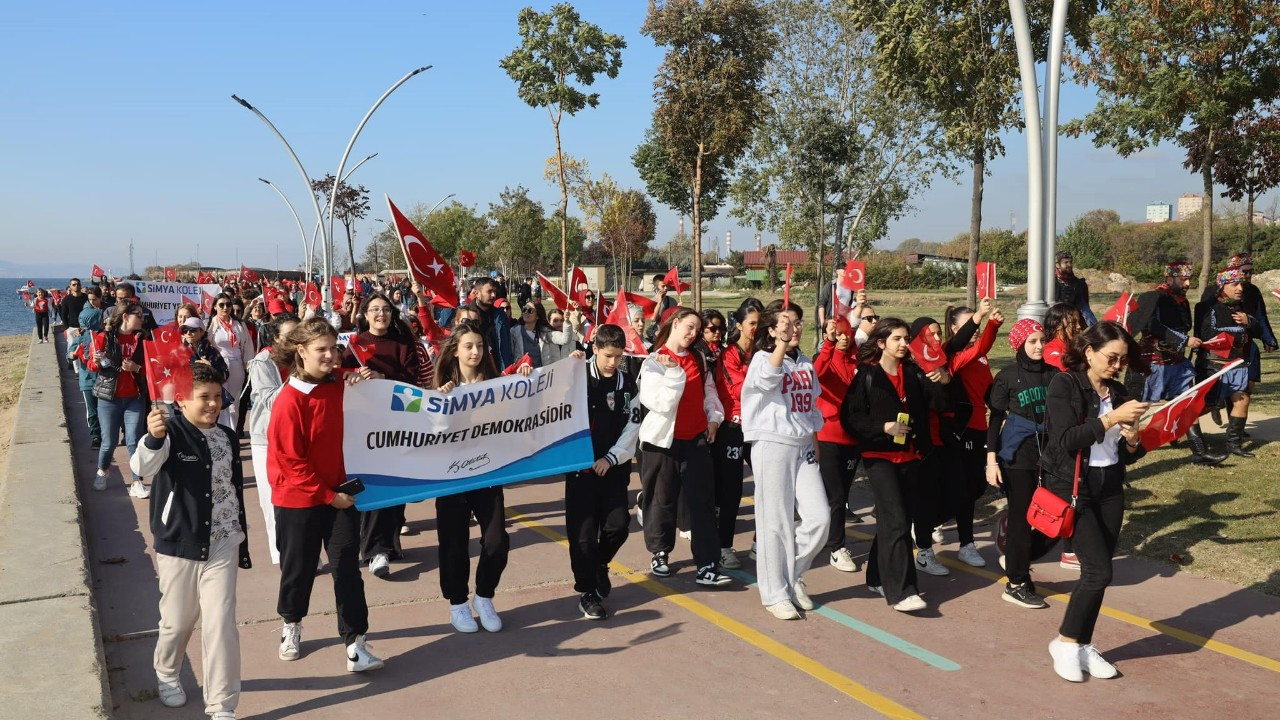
(314, 299)
(466, 258)
(426, 265)
(1054, 350)
(26, 297)
(855, 275)
(635, 346)
(170, 275)
(986, 275)
(338, 285)
(248, 275)
(558, 296)
(524, 360)
(927, 352)
(1177, 416)
(1124, 307)
(786, 289)
(646, 305)
(1219, 344)
(168, 365)
(97, 272)
(363, 353)
(672, 281)
(206, 303)
(578, 287)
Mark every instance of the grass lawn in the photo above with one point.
(1220, 523)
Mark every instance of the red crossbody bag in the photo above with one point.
(1050, 514)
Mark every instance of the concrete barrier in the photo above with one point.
(52, 639)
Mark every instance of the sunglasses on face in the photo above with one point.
(529, 310)
(871, 318)
(1116, 360)
(191, 330)
(716, 329)
(222, 305)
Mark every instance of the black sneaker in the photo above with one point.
(603, 584)
(1024, 596)
(591, 607)
(711, 575)
(658, 565)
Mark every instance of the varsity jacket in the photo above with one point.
(613, 409)
(182, 489)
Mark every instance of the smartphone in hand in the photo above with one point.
(351, 487)
(903, 419)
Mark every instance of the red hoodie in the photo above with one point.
(304, 444)
(835, 373)
(971, 367)
(731, 372)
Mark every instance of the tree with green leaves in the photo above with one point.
(627, 226)
(550, 241)
(662, 179)
(449, 228)
(832, 146)
(517, 223)
(1247, 159)
(558, 54)
(708, 90)
(352, 204)
(1180, 71)
(959, 62)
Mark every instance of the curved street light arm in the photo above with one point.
(298, 220)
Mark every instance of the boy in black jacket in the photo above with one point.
(595, 500)
(197, 519)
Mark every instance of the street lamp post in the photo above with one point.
(311, 250)
(333, 197)
(1053, 83)
(298, 220)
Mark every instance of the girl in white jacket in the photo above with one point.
(676, 437)
(780, 417)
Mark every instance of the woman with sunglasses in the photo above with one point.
(231, 338)
(529, 335)
(116, 355)
(197, 341)
(386, 347)
(1092, 432)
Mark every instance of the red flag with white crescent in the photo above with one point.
(363, 353)
(1125, 305)
(1178, 415)
(466, 258)
(314, 299)
(338, 285)
(248, 275)
(1219, 344)
(426, 265)
(578, 287)
(168, 365)
(646, 305)
(206, 303)
(635, 346)
(97, 272)
(927, 352)
(855, 275)
(170, 275)
(986, 275)
(672, 280)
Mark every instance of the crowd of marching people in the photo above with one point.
(688, 400)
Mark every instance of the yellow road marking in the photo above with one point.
(1191, 638)
(804, 663)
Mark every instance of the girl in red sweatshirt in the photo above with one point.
(730, 451)
(836, 365)
(305, 468)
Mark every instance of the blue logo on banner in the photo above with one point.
(406, 398)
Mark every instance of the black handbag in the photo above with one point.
(104, 385)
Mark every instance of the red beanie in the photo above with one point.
(1023, 329)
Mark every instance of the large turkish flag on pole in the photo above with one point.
(426, 265)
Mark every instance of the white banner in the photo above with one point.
(406, 443)
(163, 298)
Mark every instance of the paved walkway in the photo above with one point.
(1184, 644)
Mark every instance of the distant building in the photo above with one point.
(920, 260)
(1160, 212)
(1189, 204)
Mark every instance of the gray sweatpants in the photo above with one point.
(787, 482)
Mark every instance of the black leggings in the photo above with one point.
(728, 454)
(963, 489)
(42, 326)
(1099, 514)
(1022, 544)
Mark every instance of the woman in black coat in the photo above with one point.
(889, 384)
(1092, 427)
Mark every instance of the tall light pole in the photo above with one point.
(337, 176)
(301, 230)
(1053, 83)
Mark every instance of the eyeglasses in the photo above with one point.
(135, 313)
(1115, 360)
(379, 310)
(191, 330)
(222, 305)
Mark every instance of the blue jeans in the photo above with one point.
(91, 415)
(111, 413)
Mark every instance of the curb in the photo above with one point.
(46, 597)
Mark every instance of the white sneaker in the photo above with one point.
(938, 537)
(877, 589)
(489, 619)
(685, 535)
(784, 610)
(802, 595)
(927, 562)
(1066, 660)
(359, 659)
(461, 619)
(380, 565)
(100, 480)
(911, 603)
(223, 715)
(1002, 561)
(171, 693)
(139, 491)
(1092, 662)
(729, 559)
(640, 508)
(843, 561)
(290, 641)
(404, 529)
(969, 555)
(752, 553)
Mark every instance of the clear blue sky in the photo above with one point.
(117, 123)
